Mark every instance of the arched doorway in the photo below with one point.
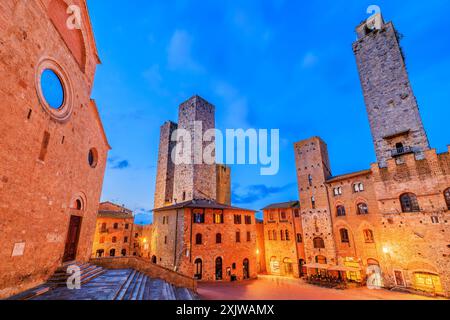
(198, 269)
(288, 268)
(219, 269)
(246, 269)
(374, 277)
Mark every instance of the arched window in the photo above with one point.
(199, 216)
(198, 269)
(447, 198)
(340, 211)
(112, 252)
(344, 236)
(363, 208)
(100, 253)
(358, 187)
(78, 204)
(154, 260)
(219, 269)
(274, 233)
(319, 243)
(246, 269)
(368, 236)
(409, 202)
(124, 252)
(282, 235)
(218, 238)
(337, 191)
(114, 239)
(116, 226)
(270, 235)
(198, 239)
(310, 180)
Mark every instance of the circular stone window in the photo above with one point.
(93, 158)
(54, 89)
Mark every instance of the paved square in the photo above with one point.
(277, 288)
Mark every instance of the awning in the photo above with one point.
(316, 266)
(343, 268)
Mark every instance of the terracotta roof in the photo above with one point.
(114, 214)
(349, 175)
(283, 205)
(207, 204)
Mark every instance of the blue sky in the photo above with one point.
(277, 64)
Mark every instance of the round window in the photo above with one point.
(92, 157)
(52, 89)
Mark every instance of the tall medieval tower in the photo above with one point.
(392, 108)
(166, 167)
(195, 180)
(313, 169)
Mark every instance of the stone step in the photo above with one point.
(140, 296)
(123, 289)
(31, 294)
(168, 292)
(184, 294)
(137, 288)
(61, 275)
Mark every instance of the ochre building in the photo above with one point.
(114, 235)
(53, 148)
(387, 226)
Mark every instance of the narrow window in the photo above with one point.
(447, 198)
(219, 238)
(288, 236)
(310, 180)
(313, 202)
(125, 240)
(282, 235)
(319, 243)
(238, 236)
(344, 236)
(114, 239)
(270, 235)
(116, 226)
(435, 220)
(340, 211)
(198, 239)
(249, 236)
(29, 114)
(184, 195)
(124, 252)
(299, 238)
(112, 252)
(44, 146)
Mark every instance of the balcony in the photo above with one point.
(397, 152)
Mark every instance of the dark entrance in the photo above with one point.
(219, 269)
(246, 269)
(73, 235)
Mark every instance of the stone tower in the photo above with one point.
(166, 167)
(195, 181)
(392, 108)
(313, 169)
(223, 183)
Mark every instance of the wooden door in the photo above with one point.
(73, 236)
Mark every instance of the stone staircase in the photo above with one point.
(138, 286)
(88, 273)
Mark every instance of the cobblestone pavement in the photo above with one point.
(277, 288)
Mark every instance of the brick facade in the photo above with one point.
(46, 178)
(183, 241)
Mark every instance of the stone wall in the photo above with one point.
(39, 196)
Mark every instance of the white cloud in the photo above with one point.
(309, 60)
(180, 52)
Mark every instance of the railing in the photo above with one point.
(401, 151)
